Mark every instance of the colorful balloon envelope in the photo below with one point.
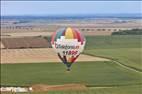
(68, 43)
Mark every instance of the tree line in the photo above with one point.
(128, 32)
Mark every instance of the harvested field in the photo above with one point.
(38, 55)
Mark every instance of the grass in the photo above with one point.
(127, 56)
(89, 73)
(113, 42)
(135, 89)
(114, 90)
(125, 49)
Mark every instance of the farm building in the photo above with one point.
(24, 42)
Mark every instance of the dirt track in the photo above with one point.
(38, 55)
(41, 87)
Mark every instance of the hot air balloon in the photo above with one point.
(68, 43)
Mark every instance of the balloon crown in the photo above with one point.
(68, 33)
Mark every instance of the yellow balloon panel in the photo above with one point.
(69, 33)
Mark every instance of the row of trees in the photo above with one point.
(129, 32)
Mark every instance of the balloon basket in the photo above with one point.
(68, 70)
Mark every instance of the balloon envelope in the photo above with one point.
(68, 43)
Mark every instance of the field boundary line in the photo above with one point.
(118, 63)
(126, 67)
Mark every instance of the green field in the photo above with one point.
(89, 73)
(113, 42)
(124, 49)
(92, 74)
(136, 89)
(128, 56)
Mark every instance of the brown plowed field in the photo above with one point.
(41, 87)
(25, 42)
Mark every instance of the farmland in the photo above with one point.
(125, 49)
(36, 55)
(89, 73)
(116, 90)
(92, 74)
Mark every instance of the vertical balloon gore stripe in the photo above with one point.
(70, 59)
(53, 37)
(59, 33)
(74, 34)
(61, 58)
(65, 59)
(63, 33)
(74, 58)
(69, 33)
(80, 36)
